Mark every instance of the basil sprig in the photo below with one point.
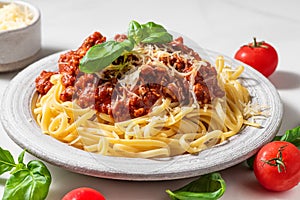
(26, 182)
(100, 56)
(209, 187)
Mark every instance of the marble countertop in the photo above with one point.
(219, 25)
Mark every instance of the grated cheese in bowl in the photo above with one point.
(13, 16)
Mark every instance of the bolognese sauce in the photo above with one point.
(108, 92)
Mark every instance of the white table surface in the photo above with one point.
(219, 25)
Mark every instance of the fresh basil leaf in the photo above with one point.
(160, 37)
(21, 157)
(292, 136)
(100, 56)
(153, 27)
(20, 165)
(135, 32)
(156, 33)
(209, 187)
(127, 44)
(28, 184)
(7, 162)
(148, 33)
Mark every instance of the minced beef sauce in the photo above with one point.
(107, 96)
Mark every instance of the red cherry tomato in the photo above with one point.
(83, 193)
(259, 55)
(277, 166)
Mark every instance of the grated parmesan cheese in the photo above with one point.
(13, 16)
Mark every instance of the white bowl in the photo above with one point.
(20, 47)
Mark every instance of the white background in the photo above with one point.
(222, 26)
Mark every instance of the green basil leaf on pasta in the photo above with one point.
(207, 187)
(160, 37)
(127, 44)
(100, 56)
(156, 33)
(135, 32)
(152, 27)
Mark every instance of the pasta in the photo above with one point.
(169, 128)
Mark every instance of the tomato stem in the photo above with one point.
(254, 42)
(277, 162)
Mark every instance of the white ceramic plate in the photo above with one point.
(18, 121)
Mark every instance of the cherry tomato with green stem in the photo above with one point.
(277, 166)
(260, 55)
